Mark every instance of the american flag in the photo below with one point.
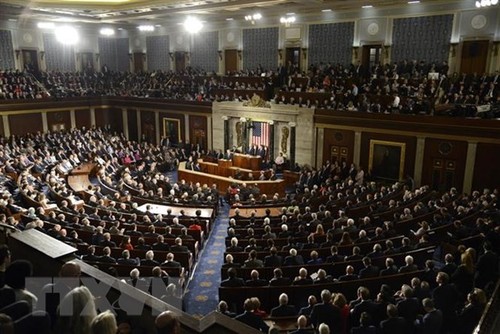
(260, 133)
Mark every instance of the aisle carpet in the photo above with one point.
(202, 293)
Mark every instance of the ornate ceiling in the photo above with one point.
(171, 12)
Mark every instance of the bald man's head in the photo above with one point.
(70, 269)
(167, 323)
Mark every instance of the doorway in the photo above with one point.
(371, 56)
(231, 60)
(474, 57)
(138, 62)
(87, 61)
(292, 56)
(30, 61)
(180, 60)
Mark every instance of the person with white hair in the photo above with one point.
(283, 310)
(410, 266)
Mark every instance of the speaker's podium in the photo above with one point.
(246, 161)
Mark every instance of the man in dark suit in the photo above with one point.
(293, 259)
(283, 310)
(445, 297)
(149, 259)
(178, 247)
(432, 321)
(410, 266)
(394, 324)
(390, 268)
(160, 244)
(251, 319)
(170, 262)
(349, 275)
(125, 259)
(369, 270)
(252, 261)
(450, 266)
(90, 256)
(232, 280)
(486, 267)
(362, 304)
(273, 260)
(409, 306)
(306, 310)
(302, 326)
(106, 258)
(326, 312)
(278, 279)
(255, 280)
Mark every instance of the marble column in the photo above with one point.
(226, 133)
(419, 161)
(292, 143)
(271, 141)
(470, 162)
(320, 139)
(357, 149)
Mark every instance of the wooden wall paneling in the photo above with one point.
(148, 126)
(410, 149)
(444, 163)
(339, 143)
(25, 123)
(116, 118)
(2, 133)
(487, 167)
(133, 133)
(59, 120)
(82, 118)
(111, 118)
(198, 132)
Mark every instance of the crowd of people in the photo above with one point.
(408, 87)
(447, 294)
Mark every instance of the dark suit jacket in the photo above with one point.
(280, 281)
(257, 282)
(253, 320)
(293, 260)
(432, 322)
(273, 261)
(408, 309)
(345, 278)
(107, 259)
(328, 314)
(486, 269)
(283, 311)
(389, 271)
(232, 282)
(393, 326)
(370, 271)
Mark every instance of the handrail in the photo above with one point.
(490, 313)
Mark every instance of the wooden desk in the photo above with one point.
(247, 161)
(226, 169)
(266, 187)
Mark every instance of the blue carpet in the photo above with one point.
(202, 293)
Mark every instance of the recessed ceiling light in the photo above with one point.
(367, 6)
(290, 13)
(12, 20)
(326, 10)
(413, 2)
(158, 25)
(229, 19)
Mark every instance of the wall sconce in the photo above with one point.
(453, 49)
(130, 57)
(171, 54)
(240, 54)
(304, 52)
(18, 52)
(355, 49)
(220, 54)
(144, 57)
(280, 53)
(97, 57)
(187, 55)
(42, 55)
(495, 47)
(386, 51)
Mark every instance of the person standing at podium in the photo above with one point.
(253, 150)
